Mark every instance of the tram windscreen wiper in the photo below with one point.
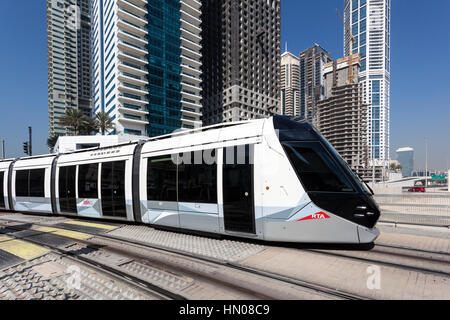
(373, 193)
(362, 179)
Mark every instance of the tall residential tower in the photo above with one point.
(241, 59)
(146, 64)
(312, 88)
(290, 84)
(370, 24)
(69, 86)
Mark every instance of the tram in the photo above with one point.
(274, 179)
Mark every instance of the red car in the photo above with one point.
(417, 189)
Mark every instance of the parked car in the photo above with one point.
(417, 189)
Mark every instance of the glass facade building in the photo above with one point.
(369, 22)
(164, 56)
(406, 158)
(146, 64)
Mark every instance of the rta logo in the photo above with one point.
(316, 216)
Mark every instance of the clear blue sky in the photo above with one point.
(420, 86)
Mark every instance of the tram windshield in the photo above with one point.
(315, 168)
(356, 177)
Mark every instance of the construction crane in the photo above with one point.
(352, 42)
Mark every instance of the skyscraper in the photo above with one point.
(290, 84)
(241, 59)
(406, 158)
(146, 64)
(68, 29)
(312, 62)
(370, 24)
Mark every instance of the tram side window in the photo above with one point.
(315, 168)
(22, 183)
(161, 179)
(2, 196)
(30, 183)
(88, 181)
(37, 182)
(197, 180)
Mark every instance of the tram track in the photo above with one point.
(111, 272)
(257, 289)
(386, 245)
(396, 257)
(390, 255)
(286, 280)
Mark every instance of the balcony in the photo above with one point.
(191, 60)
(189, 78)
(132, 49)
(125, 25)
(139, 3)
(129, 37)
(191, 113)
(192, 45)
(132, 59)
(190, 89)
(191, 95)
(193, 70)
(190, 52)
(123, 118)
(132, 79)
(131, 17)
(133, 91)
(194, 28)
(192, 19)
(138, 112)
(196, 123)
(190, 104)
(126, 67)
(141, 102)
(131, 7)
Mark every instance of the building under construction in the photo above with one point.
(342, 117)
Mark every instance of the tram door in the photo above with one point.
(238, 197)
(67, 197)
(113, 189)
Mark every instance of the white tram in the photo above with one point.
(272, 179)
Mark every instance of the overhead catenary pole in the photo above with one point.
(30, 153)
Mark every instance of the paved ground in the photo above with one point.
(404, 264)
